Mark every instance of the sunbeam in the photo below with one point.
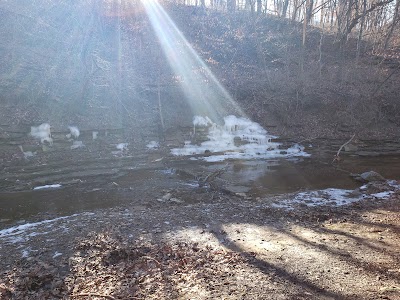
(204, 93)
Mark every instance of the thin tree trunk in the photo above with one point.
(295, 9)
(309, 9)
(360, 33)
(284, 8)
(303, 45)
(259, 6)
(394, 22)
(231, 5)
(320, 52)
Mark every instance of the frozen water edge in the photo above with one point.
(328, 197)
(48, 186)
(238, 138)
(20, 229)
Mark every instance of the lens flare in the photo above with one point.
(204, 93)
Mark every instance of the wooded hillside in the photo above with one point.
(307, 68)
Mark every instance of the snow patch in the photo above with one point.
(238, 138)
(153, 145)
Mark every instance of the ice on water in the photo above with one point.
(153, 145)
(73, 132)
(237, 138)
(42, 133)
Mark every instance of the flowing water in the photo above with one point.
(129, 180)
(102, 170)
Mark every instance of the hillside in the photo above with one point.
(87, 64)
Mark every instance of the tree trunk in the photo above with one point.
(309, 9)
(303, 44)
(360, 33)
(231, 5)
(259, 6)
(295, 9)
(394, 22)
(284, 8)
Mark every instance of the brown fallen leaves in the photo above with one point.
(104, 266)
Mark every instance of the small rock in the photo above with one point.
(372, 176)
(369, 176)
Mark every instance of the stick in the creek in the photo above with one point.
(337, 157)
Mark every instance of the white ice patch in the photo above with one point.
(122, 149)
(202, 121)
(42, 133)
(57, 254)
(73, 132)
(394, 183)
(22, 234)
(238, 138)
(153, 145)
(327, 197)
(27, 154)
(16, 230)
(25, 253)
(382, 195)
(48, 186)
(122, 146)
(77, 144)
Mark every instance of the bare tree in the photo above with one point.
(395, 20)
(284, 8)
(259, 6)
(231, 5)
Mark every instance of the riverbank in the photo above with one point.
(216, 247)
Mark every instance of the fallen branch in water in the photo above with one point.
(337, 157)
(212, 176)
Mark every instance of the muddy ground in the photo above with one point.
(205, 243)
